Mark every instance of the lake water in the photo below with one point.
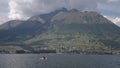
(59, 61)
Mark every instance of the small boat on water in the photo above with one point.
(43, 58)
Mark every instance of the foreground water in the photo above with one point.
(59, 61)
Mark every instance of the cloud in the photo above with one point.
(116, 20)
(3, 11)
(3, 17)
(109, 8)
(3, 6)
(3, 2)
(22, 9)
(112, 0)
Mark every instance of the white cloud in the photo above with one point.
(3, 11)
(16, 8)
(115, 20)
(22, 9)
(113, 0)
(3, 1)
(3, 19)
(109, 1)
(109, 7)
(111, 10)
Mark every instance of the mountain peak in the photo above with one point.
(11, 24)
(76, 16)
(45, 18)
(36, 18)
(62, 9)
(74, 10)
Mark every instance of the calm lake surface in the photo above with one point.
(59, 61)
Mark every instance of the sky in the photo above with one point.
(23, 9)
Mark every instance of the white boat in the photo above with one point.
(43, 58)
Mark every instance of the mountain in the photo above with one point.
(64, 31)
(17, 30)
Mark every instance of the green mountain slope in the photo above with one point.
(76, 31)
(17, 31)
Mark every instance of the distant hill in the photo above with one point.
(62, 31)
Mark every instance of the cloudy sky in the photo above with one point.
(23, 9)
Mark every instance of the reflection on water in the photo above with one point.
(59, 61)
